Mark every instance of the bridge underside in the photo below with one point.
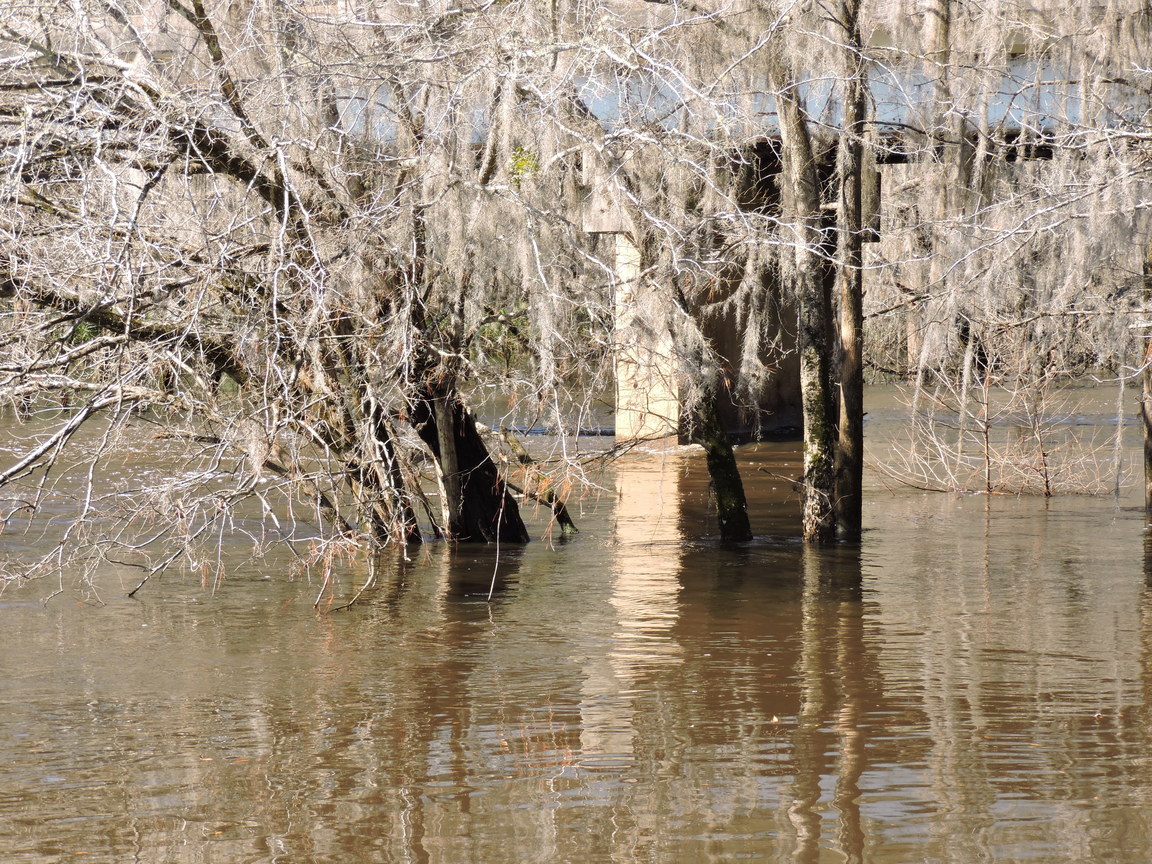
(907, 174)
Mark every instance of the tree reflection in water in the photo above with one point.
(828, 740)
(973, 685)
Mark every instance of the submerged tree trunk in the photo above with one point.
(479, 507)
(802, 209)
(1146, 394)
(849, 283)
(731, 503)
(397, 517)
(1146, 423)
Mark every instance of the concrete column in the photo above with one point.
(647, 393)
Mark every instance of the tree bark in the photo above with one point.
(1146, 394)
(398, 515)
(731, 503)
(802, 208)
(1146, 423)
(479, 507)
(849, 283)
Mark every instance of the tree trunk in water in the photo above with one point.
(401, 521)
(849, 284)
(731, 504)
(479, 507)
(1146, 394)
(1146, 423)
(802, 208)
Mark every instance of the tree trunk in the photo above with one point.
(731, 504)
(1146, 394)
(399, 517)
(479, 507)
(1146, 423)
(802, 208)
(849, 283)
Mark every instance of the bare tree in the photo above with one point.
(288, 234)
(304, 242)
(1015, 201)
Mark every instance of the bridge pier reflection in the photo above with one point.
(644, 598)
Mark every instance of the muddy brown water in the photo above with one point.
(971, 684)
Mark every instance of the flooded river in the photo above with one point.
(972, 684)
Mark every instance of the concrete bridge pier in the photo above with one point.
(647, 390)
(648, 371)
